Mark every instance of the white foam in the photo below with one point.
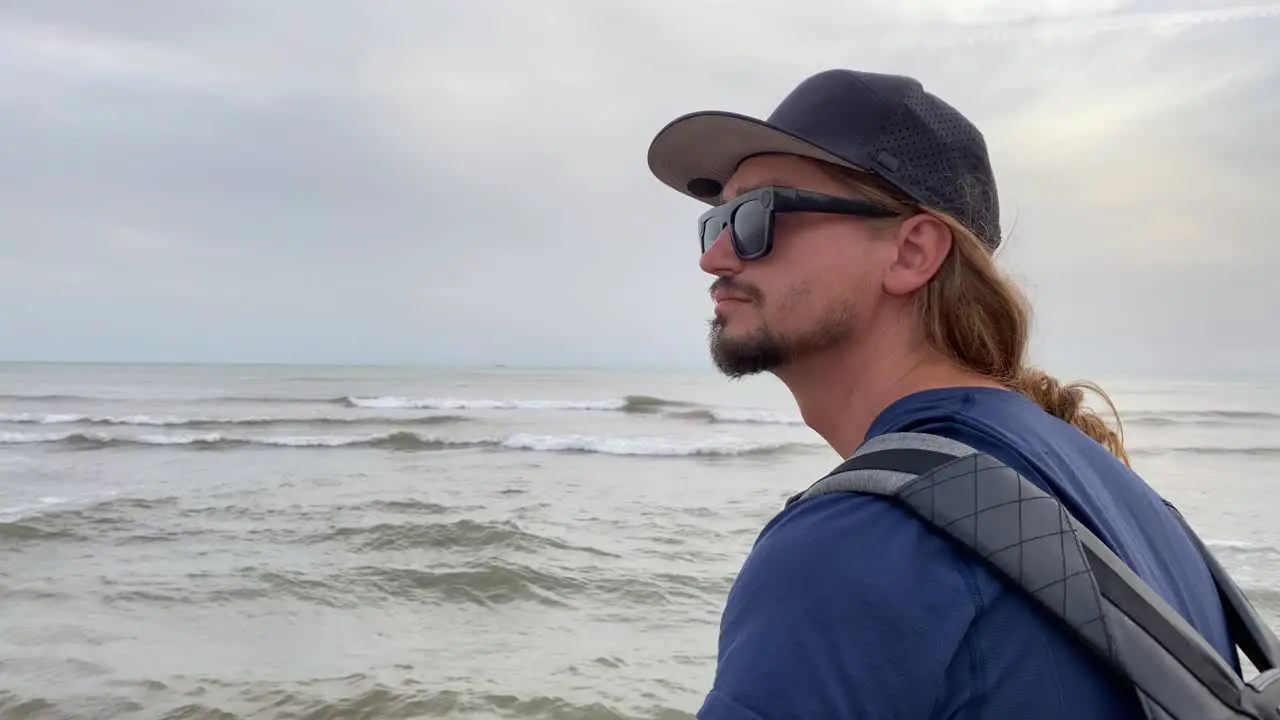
(763, 417)
(1245, 546)
(404, 403)
(280, 441)
(184, 439)
(42, 418)
(18, 438)
(14, 513)
(72, 418)
(607, 445)
(327, 440)
(178, 420)
(651, 446)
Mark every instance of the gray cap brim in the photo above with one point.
(710, 145)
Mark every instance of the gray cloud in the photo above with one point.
(465, 182)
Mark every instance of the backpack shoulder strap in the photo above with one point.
(885, 463)
(1249, 630)
(1028, 538)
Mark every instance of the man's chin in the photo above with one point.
(738, 354)
(733, 363)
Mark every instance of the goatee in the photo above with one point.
(765, 350)
(762, 351)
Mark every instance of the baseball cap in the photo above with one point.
(882, 124)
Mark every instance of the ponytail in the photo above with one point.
(1066, 402)
(977, 318)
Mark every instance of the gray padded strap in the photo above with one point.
(883, 481)
(1027, 536)
(914, 441)
(1030, 538)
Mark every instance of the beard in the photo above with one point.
(767, 350)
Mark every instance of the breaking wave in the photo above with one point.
(640, 404)
(635, 403)
(734, 416)
(454, 406)
(645, 446)
(81, 440)
(1242, 547)
(1264, 451)
(410, 441)
(489, 582)
(1199, 417)
(462, 534)
(630, 403)
(28, 418)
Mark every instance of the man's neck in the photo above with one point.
(841, 393)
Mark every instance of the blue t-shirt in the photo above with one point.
(849, 607)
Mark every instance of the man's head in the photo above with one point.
(830, 280)
(804, 271)
(852, 280)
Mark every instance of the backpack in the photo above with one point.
(1032, 542)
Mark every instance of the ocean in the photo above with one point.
(331, 542)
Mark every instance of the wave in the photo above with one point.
(455, 536)
(647, 404)
(394, 441)
(1264, 451)
(126, 521)
(48, 397)
(354, 696)
(199, 422)
(122, 518)
(23, 531)
(487, 582)
(629, 403)
(410, 441)
(248, 399)
(1199, 417)
(1242, 547)
(404, 403)
(646, 446)
(636, 404)
(736, 416)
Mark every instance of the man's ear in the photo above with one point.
(923, 243)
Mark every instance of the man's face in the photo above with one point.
(809, 295)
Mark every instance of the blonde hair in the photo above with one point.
(974, 316)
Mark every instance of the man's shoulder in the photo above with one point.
(1097, 488)
(994, 413)
(823, 548)
(845, 607)
(1014, 430)
(849, 605)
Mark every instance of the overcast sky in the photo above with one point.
(464, 181)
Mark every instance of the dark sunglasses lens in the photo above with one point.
(711, 229)
(749, 226)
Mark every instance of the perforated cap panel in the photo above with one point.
(934, 153)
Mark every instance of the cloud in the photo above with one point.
(392, 181)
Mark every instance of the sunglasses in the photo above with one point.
(750, 216)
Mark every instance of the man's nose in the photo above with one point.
(720, 259)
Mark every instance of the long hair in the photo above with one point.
(975, 317)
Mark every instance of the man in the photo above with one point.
(852, 240)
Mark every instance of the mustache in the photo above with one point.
(732, 286)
